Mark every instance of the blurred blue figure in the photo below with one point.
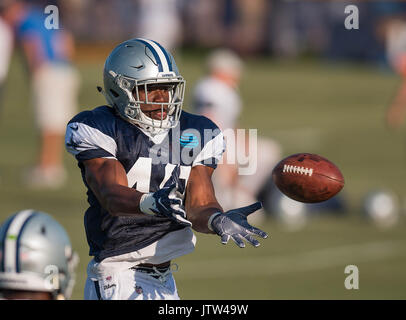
(54, 81)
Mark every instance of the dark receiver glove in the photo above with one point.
(233, 224)
(166, 202)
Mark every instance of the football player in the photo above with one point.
(36, 258)
(147, 166)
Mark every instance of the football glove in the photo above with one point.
(233, 224)
(166, 202)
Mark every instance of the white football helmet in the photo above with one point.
(36, 255)
(140, 63)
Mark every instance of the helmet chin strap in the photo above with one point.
(150, 128)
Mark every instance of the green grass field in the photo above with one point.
(336, 110)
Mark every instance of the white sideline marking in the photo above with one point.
(299, 262)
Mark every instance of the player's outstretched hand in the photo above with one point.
(233, 224)
(166, 202)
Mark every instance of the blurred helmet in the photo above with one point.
(225, 61)
(381, 207)
(140, 63)
(290, 213)
(36, 255)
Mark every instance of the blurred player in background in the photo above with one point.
(147, 166)
(48, 54)
(6, 38)
(216, 96)
(391, 31)
(36, 258)
(160, 20)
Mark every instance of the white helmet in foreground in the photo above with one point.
(36, 255)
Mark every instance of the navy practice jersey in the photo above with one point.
(148, 162)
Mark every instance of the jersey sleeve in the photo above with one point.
(211, 153)
(89, 136)
(213, 145)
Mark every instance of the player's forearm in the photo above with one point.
(120, 200)
(199, 216)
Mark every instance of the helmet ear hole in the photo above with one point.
(130, 112)
(114, 93)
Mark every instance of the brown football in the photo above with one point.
(307, 177)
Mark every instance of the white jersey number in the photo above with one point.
(140, 174)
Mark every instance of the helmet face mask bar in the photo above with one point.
(140, 66)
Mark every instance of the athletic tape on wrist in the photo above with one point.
(211, 220)
(147, 202)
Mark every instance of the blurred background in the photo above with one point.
(305, 82)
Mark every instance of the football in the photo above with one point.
(308, 178)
